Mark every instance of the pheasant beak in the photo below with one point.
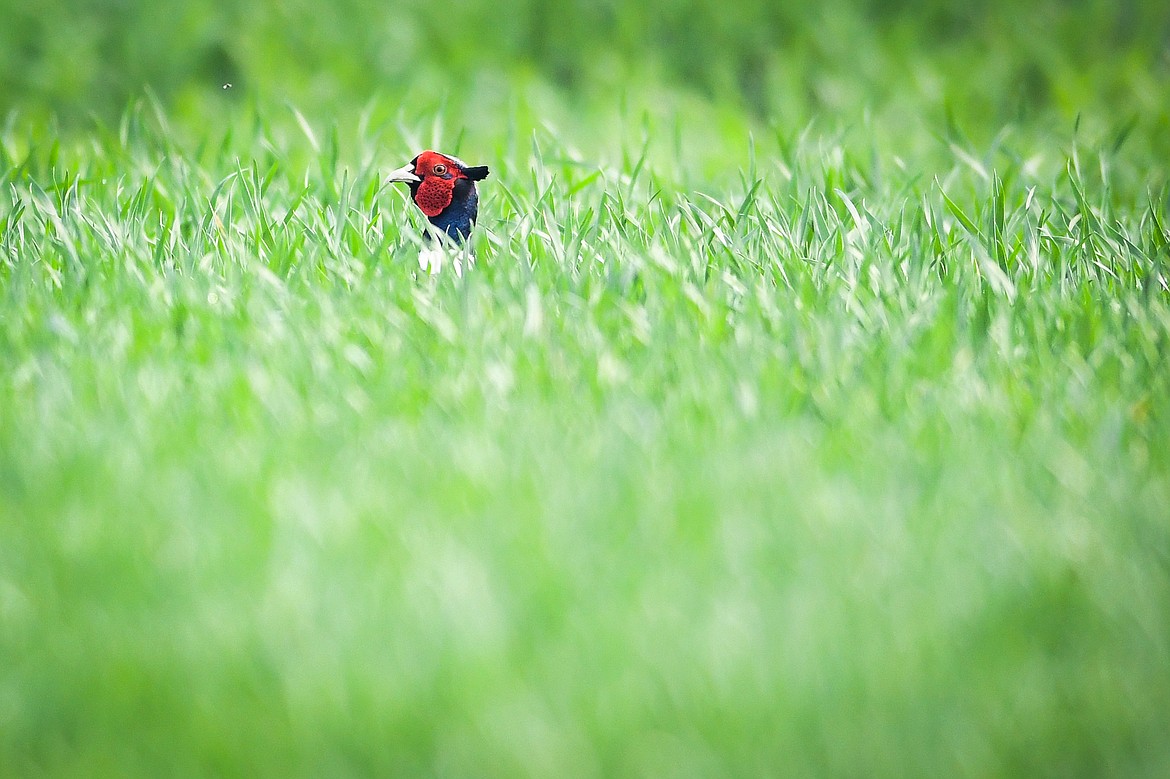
(405, 173)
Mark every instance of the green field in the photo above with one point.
(807, 412)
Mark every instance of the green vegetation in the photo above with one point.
(806, 414)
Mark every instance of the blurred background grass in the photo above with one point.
(987, 61)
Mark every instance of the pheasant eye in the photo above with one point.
(439, 169)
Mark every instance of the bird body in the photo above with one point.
(443, 188)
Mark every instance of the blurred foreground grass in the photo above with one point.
(756, 444)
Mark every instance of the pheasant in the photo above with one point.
(443, 188)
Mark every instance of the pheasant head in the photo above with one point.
(443, 187)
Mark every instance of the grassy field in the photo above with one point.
(821, 436)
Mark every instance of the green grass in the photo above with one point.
(750, 447)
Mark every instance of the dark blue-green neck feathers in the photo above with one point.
(457, 219)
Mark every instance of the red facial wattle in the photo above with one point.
(434, 194)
